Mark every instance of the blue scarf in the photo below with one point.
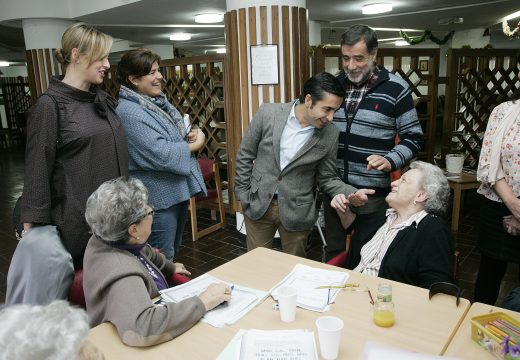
(158, 105)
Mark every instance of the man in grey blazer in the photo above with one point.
(288, 150)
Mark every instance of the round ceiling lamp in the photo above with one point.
(209, 18)
(180, 37)
(376, 8)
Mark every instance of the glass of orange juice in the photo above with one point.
(384, 313)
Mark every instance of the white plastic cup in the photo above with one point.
(454, 163)
(287, 302)
(329, 334)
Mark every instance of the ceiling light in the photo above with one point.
(512, 16)
(180, 36)
(209, 18)
(4, 63)
(401, 43)
(221, 51)
(377, 8)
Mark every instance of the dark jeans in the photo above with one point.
(167, 229)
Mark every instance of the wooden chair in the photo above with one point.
(213, 201)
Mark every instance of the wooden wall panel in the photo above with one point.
(264, 41)
(295, 51)
(276, 40)
(286, 54)
(243, 72)
(255, 103)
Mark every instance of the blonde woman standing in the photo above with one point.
(75, 143)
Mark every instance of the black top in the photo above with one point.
(421, 255)
(62, 170)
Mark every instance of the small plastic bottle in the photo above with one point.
(384, 292)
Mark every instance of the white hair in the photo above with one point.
(436, 185)
(42, 332)
(114, 206)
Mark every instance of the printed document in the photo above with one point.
(243, 299)
(306, 279)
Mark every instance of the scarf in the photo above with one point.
(158, 105)
(135, 249)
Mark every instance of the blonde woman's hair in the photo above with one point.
(88, 40)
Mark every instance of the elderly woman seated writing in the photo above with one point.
(122, 272)
(414, 245)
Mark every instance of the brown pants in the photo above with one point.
(260, 233)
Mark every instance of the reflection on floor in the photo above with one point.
(226, 244)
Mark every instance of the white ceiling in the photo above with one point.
(146, 21)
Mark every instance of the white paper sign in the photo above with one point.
(264, 64)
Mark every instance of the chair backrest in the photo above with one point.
(206, 167)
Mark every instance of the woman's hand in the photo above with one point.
(198, 139)
(180, 269)
(511, 225)
(215, 295)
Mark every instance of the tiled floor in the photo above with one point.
(224, 245)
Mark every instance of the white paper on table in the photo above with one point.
(271, 344)
(243, 299)
(306, 279)
(376, 351)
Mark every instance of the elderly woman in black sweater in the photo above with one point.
(414, 245)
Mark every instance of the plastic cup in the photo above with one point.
(384, 313)
(454, 163)
(287, 302)
(329, 334)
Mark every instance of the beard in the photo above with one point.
(357, 76)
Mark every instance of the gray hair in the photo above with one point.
(114, 206)
(436, 186)
(34, 332)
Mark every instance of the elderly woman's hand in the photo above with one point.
(215, 295)
(339, 203)
(181, 269)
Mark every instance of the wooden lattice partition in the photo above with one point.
(195, 86)
(479, 80)
(17, 100)
(418, 67)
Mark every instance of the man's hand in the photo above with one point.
(377, 162)
(360, 197)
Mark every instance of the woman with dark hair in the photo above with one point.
(75, 142)
(161, 148)
(499, 176)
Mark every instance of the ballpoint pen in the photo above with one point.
(349, 285)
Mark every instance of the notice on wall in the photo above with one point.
(264, 65)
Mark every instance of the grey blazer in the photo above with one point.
(258, 174)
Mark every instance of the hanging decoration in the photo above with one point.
(427, 35)
(507, 30)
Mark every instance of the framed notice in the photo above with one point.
(264, 65)
(423, 65)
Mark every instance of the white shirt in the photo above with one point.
(293, 138)
(373, 252)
